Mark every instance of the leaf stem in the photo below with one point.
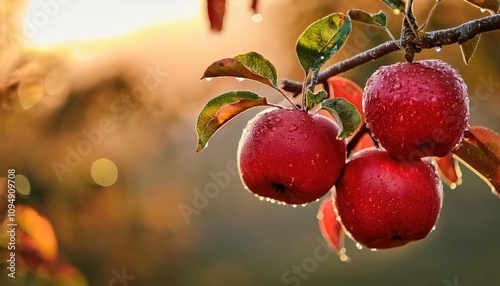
(275, 105)
(304, 90)
(288, 98)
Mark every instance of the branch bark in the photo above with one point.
(459, 34)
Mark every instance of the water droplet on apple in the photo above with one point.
(274, 128)
(268, 199)
(240, 79)
(401, 117)
(358, 245)
(208, 78)
(303, 205)
(433, 228)
(293, 127)
(261, 199)
(482, 10)
(396, 86)
(453, 186)
(438, 49)
(373, 249)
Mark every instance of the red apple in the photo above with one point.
(290, 156)
(384, 202)
(417, 109)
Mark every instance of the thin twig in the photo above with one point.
(429, 40)
(429, 15)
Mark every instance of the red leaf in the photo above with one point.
(254, 5)
(480, 152)
(349, 90)
(331, 228)
(449, 170)
(216, 9)
(366, 141)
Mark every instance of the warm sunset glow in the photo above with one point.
(58, 21)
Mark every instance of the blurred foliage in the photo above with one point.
(73, 93)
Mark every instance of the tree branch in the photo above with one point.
(459, 34)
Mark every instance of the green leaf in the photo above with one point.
(220, 110)
(468, 48)
(345, 113)
(379, 19)
(491, 5)
(251, 66)
(480, 152)
(314, 99)
(321, 40)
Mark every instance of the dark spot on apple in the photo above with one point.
(397, 237)
(279, 187)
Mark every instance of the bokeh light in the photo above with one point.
(23, 186)
(104, 172)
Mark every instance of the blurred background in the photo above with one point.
(98, 104)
